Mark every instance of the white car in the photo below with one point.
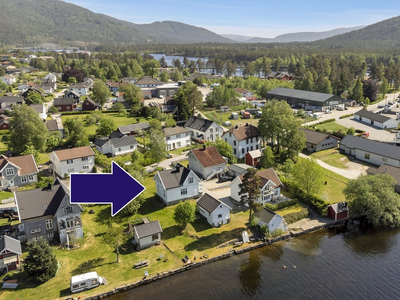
(328, 111)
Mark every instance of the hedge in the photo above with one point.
(346, 116)
(296, 216)
(278, 206)
(87, 112)
(325, 121)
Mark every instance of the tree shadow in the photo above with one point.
(151, 205)
(88, 266)
(65, 292)
(171, 232)
(103, 216)
(213, 240)
(127, 247)
(201, 224)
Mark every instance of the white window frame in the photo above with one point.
(70, 161)
(184, 191)
(50, 235)
(49, 224)
(190, 180)
(36, 230)
(85, 158)
(9, 171)
(71, 170)
(31, 178)
(85, 167)
(24, 179)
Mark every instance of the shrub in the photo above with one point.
(87, 112)
(276, 232)
(325, 121)
(296, 216)
(278, 206)
(346, 116)
(94, 170)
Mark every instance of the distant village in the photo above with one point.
(200, 159)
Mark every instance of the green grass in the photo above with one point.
(93, 255)
(180, 150)
(43, 158)
(118, 121)
(290, 209)
(333, 190)
(331, 126)
(3, 147)
(184, 163)
(332, 157)
(220, 117)
(5, 195)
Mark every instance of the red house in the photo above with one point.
(252, 158)
(10, 252)
(64, 104)
(4, 124)
(246, 115)
(89, 104)
(338, 211)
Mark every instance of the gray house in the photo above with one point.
(47, 213)
(17, 171)
(317, 141)
(147, 234)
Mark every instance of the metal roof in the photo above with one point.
(306, 95)
(133, 127)
(10, 244)
(198, 123)
(147, 229)
(265, 215)
(372, 116)
(126, 140)
(386, 150)
(174, 177)
(209, 203)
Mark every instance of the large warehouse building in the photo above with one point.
(307, 100)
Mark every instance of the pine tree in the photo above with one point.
(250, 190)
(40, 263)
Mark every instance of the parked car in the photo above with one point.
(365, 135)
(224, 178)
(381, 106)
(328, 111)
(340, 108)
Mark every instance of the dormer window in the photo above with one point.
(68, 209)
(191, 180)
(9, 171)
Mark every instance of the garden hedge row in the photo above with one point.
(346, 116)
(275, 207)
(296, 216)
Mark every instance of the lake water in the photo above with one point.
(329, 265)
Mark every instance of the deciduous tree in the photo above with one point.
(308, 175)
(184, 213)
(267, 158)
(106, 127)
(101, 93)
(114, 237)
(157, 145)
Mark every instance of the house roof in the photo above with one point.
(386, 169)
(383, 149)
(267, 175)
(52, 125)
(125, 140)
(209, 203)
(11, 99)
(174, 177)
(198, 123)
(10, 244)
(255, 153)
(63, 101)
(147, 229)
(72, 92)
(74, 153)
(372, 116)
(315, 137)
(90, 101)
(241, 90)
(244, 132)
(307, 95)
(101, 141)
(208, 156)
(147, 80)
(26, 163)
(240, 168)
(265, 215)
(40, 202)
(340, 207)
(81, 85)
(133, 127)
(174, 130)
(38, 107)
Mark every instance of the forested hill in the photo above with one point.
(379, 35)
(33, 22)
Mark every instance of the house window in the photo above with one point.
(256, 147)
(85, 158)
(50, 235)
(131, 146)
(31, 178)
(191, 180)
(366, 155)
(217, 129)
(257, 139)
(234, 151)
(24, 179)
(234, 143)
(219, 216)
(49, 224)
(243, 151)
(247, 141)
(183, 191)
(178, 136)
(68, 209)
(70, 223)
(37, 230)
(9, 171)
(230, 134)
(155, 237)
(251, 148)
(1, 183)
(69, 161)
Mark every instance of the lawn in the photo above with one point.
(93, 255)
(117, 118)
(290, 209)
(220, 117)
(332, 157)
(185, 149)
(331, 126)
(333, 190)
(5, 195)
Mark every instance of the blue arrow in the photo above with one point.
(118, 188)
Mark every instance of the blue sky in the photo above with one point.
(261, 18)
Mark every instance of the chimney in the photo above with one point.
(204, 147)
(177, 167)
(49, 187)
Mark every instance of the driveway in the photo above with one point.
(166, 164)
(374, 132)
(56, 95)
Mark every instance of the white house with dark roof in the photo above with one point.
(376, 120)
(374, 152)
(74, 160)
(176, 137)
(207, 162)
(41, 109)
(270, 186)
(216, 212)
(270, 219)
(148, 82)
(82, 89)
(203, 129)
(177, 184)
(317, 141)
(243, 139)
(17, 171)
(116, 146)
(10, 253)
(50, 77)
(46, 213)
(147, 234)
(133, 128)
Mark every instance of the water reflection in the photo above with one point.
(308, 245)
(250, 274)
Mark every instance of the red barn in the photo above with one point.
(246, 115)
(4, 124)
(64, 104)
(10, 251)
(253, 158)
(89, 104)
(338, 211)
